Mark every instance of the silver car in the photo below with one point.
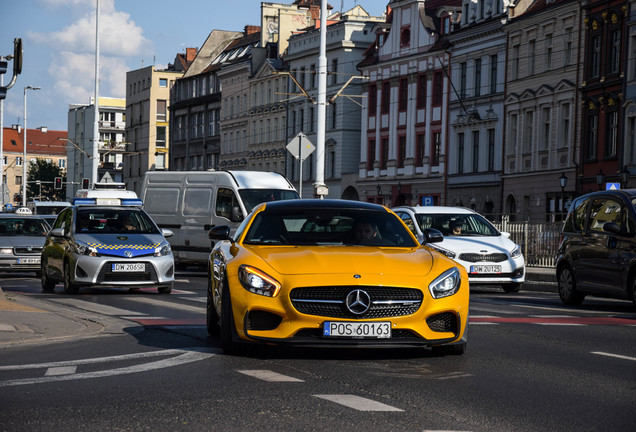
(21, 241)
(106, 246)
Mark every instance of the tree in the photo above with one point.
(45, 172)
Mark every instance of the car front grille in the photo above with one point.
(475, 257)
(26, 250)
(107, 274)
(330, 302)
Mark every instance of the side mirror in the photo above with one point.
(221, 232)
(612, 227)
(431, 235)
(57, 232)
(166, 232)
(236, 215)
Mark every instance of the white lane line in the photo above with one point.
(267, 375)
(187, 357)
(195, 299)
(136, 317)
(622, 357)
(94, 307)
(357, 402)
(7, 327)
(168, 304)
(64, 370)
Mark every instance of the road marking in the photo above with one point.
(267, 375)
(94, 307)
(168, 304)
(358, 403)
(622, 357)
(561, 320)
(63, 370)
(186, 355)
(196, 299)
(7, 327)
(166, 322)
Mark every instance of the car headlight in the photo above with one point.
(516, 252)
(7, 251)
(82, 248)
(446, 284)
(443, 251)
(163, 249)
(257, 282)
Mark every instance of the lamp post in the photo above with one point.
(24, 158)
(624, 174)
(563, 182)
(600, 179)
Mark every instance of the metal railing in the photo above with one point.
(539, 241)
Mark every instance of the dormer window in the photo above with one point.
(405, 36)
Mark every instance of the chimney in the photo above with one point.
(16, 127)
(43, 129)
(251, 29)
(191, 53)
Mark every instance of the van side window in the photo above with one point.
(225, 200)
(197, 201)
(604, 210)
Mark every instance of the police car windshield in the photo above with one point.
(113, 221)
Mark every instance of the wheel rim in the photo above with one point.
(565, 283)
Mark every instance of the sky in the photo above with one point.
(58, 41)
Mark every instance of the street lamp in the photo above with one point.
(624, 175)
(563, 182)
(24, 158)
(600, 179)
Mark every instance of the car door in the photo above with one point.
(598, 264)
(55, 246)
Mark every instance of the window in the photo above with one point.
(438, 91)
(384, 153)
(491, 149)
(404, 94)
(548, 52)
(545, 120)
(462, 80)
(567, 42)
(405, 36)
(512, 133)
(437, 148)
(373, 99)
(61, 163)
(565, 125)
(18, 161)
(386, 97)
(312, 76)
(615, 51)
(334, 71)
(515, 62)
(161, 136)
(312, 119)
(529, 128)
(532, 50)
(612, 134)
(401, 151)
(420, 150)
(460, 153)
(160, 161)
(163, 82)
(334, 115)
(592, 136)
(370, 154)
(18, 180)
(595, 61)
(475, 151)
(161, 110)
(421, 91)
(493, 73)
(477, 83)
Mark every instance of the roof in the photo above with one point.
(436, 209)
(333, 204)
(47, 143)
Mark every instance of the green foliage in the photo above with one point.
(45, 172)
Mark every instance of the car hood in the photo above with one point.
(298, 260)
(12, 241)
(477, 244)
(129, 245)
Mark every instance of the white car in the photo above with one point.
(489, 256)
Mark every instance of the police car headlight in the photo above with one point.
(7, 251)
(445, 284)
(163, 249)
(257, 282)
(516, 252)
(446, 252)
(82, 248)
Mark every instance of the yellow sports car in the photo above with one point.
(333, 272)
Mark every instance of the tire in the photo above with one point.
(211, 317)
(228, 329)
(632, 284)
(512, 287)
(567, 288)
(47, 284)
(458, 349)
(165, 289)
(69, 286)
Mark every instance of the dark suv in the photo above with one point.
(597, 254)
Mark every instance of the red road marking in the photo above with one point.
(557, 320)
(169, 322)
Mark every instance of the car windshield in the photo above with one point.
(114, 221)
(253, 197)
(470, 224)
(328, 227)
(18, 226)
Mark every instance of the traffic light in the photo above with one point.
(85, 183)
(58, 183)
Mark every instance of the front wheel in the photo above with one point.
(211, 317)
(165, 289)
(69, 286)
(47, 284)
(567, 288)
(512, 287)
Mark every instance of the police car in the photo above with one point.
(107, 241)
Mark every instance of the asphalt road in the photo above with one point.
(531, 365)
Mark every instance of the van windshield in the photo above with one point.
(253, 197)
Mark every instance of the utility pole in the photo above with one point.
(95, 152)
(320, 189)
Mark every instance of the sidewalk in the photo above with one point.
(25, 319)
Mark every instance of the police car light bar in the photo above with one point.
(107, 201)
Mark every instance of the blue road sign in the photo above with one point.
(427, 201)
(612, 186)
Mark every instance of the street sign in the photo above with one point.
(612, 186)
(427, 201)
(300, 147)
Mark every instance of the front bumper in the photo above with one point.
(13, 263)
(94, 271)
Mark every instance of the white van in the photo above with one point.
(191, 202)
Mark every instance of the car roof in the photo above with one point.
(336, 204)
(19, 216)
(626, 193)
(435, 209)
